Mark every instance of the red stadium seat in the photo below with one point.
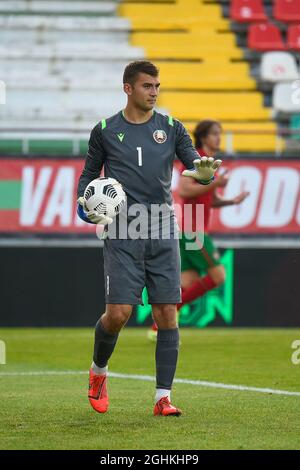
(265, 37)
(293, 37)
(287, 10)
(246, 11)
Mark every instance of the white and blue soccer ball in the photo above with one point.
(105, 196)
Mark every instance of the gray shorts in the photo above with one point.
(130, 265)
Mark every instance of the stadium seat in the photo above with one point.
(265, 37)
(187, 45)
(54, 6)
(246, 11)
(219, 105)
(8, 37)
(206, 75)
(287, 10)
(295, 126)
(50, 104)
(161, 16)
(65, 70)
(278, 66)
(81, 24)
(286, 98)
(68, 50)
(293, 37)
(245, 135)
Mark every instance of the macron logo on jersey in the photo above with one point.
(120, 136)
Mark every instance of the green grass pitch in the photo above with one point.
(52, 411)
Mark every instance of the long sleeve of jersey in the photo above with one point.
(94, 161)
(185, 150)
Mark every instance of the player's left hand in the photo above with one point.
(205, 169)
(241, 197)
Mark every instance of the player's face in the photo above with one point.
(143, 94)
(213, 138)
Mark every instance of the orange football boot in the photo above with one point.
(164, 408)
(98, 396)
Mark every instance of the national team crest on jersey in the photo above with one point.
(159, 136)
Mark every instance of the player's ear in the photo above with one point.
(127, 88)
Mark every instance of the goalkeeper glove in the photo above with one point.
(92, 217)
(204, 170)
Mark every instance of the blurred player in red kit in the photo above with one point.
(201, 269)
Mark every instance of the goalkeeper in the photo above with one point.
(137, 147)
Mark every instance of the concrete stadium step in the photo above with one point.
(186, 46)
(39, 104)
(165, 23)
(64, 69)
(60, 129)
(56, 125)
(72, 51)
(51, 125)
(247, 136)
(218, 105)
(37, 36)
(63, 83)
(189, 75)
(57, 8)
(63, 23)
(99, 80)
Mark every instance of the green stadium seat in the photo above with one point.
(295, 126)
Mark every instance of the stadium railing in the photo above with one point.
(74, 141)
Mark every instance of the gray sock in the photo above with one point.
(166, 355)
(104, 345)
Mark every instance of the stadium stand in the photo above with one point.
(208, 75)
(217, 59)
(62, 63)
(271, 48)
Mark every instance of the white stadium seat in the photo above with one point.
(63, 23)
(64, 69)
(286, 97)
(33, 37)
(46, 104)
(278, 67)
(35, 81)
(71, 50)
(34, 6)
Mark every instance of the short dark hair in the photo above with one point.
(139, 66)
(202, 130)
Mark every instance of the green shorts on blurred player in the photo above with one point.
(199, 260)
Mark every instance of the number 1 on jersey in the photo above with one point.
(140, 156)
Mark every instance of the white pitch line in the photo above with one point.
(151, 378)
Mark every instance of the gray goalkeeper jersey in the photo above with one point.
(139, 156)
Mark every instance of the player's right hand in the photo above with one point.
(93, 216)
